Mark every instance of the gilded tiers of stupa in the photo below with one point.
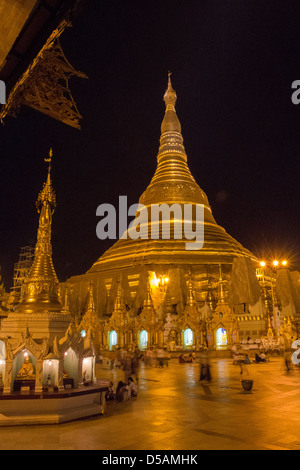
(172, 183)
(130, 262)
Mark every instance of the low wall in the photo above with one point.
(30, 408)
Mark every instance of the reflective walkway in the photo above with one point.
(175, 412)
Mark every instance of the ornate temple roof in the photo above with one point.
(172, 183)
(32, 63)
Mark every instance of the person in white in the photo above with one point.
(132, 388)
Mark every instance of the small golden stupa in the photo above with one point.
(40, 291)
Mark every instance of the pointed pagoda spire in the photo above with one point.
(66, 302)
(91, 300)
(119, 305)
(190, 299)
(170, 122)
(221, 287)
(173, 181)
(148, 300)
(41, 287)
(210, 298)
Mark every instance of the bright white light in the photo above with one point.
(263, 263)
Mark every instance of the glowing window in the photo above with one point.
(113, 337)
(188, 338)
(143, 339)
(221, 336)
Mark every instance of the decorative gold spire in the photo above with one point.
(148, 300)
(41, 287)
(173, 181)
(170, 122)
(190, 299)
(91, 301)
(210, 298)
(119, 305)
(221, 286)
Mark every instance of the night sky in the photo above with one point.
(233, 63)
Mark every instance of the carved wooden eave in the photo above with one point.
(45, 84)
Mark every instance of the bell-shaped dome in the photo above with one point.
(171, 184)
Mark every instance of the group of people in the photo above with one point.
(262, 357)
(187, 358)
(123, 391)
(128, 361)
(156, 358)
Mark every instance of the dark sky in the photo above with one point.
(233, 63)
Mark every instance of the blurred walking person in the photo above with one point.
(126, 366)
(135, 363)
(205, 370)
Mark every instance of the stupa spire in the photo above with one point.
(172, 168)
(41, 287)
(170, 98)
(91, 301)
(148, 300)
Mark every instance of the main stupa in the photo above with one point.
(172, 183)
(133, 268)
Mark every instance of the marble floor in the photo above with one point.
(175, 412)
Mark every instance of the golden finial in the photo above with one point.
(47, 195)
(170, 121)
(48, 160)
(170, 96)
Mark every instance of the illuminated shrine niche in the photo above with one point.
(71, 366)
(188, 338)
(113, 340)
(50, 372)
(221, 338)
(143, 339)
(87, 369)
(24, 369)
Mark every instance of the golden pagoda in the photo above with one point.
(172, 183)
(133, 261)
